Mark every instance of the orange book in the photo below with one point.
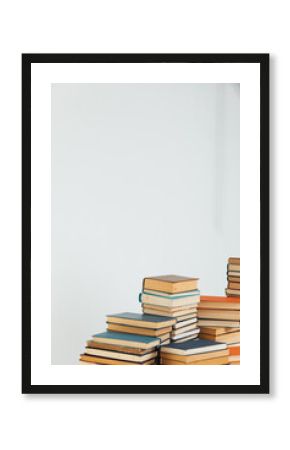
(234, 351)
(219, 302)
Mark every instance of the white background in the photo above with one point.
(145, 180)
(58, 421)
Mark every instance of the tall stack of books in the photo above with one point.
(111, 348)
(175, 297)
(233, 277)
(195, 352)
(219, 321)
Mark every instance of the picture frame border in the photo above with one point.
(211, 58)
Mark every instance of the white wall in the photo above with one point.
(145, 180)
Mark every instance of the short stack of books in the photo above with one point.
(219, 321)
(175, 297)
(194, 352)
(144, 324)
(233, 276)
(111, 348)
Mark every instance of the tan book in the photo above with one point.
(227, 338)
(118, 348)
(234, 363)
(234, 279)
(221, 305)
(234, 275)
(234, 260)
(170, 283)
(194, 358)
(218, 323)
(170, 310)
(233, 268)
(218, 314)
(120, 356)
(205, 362)
(216, 331)
(176, 314)
(111, 362)
(232, 285)
(233, 292)
(234, 358)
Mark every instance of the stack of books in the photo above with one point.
(233, 277)
(143, 324)
(111, 348)
(219, 320)
(175, 297)
(194, 352)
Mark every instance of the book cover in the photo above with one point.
(193, 347)
(141, 320)
(133, 340)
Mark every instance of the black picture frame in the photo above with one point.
(263, 60)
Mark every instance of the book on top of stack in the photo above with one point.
(233, 277)
(194, 352)
(112, 348)
(175, 297)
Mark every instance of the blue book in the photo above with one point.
(193, 347)
(141, 320)
(126, 339)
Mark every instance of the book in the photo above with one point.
(131, 340)
(169, 309)
(233, 268)
(170, 283)
(218, 314)
(227, 338)
(177, 331)
(141, 320)
(121, 356)
(234, 274)
(184, 323)
(234, 260)
(170, 301)
(218, 323)
(118, 348)
(172, 296)
(194, 332)
(112, 362)
(216, 331)
(233, 285)
(234, 350)
(233, 292)
(212, 361)
(193, 358)
(219, 302)
(138, 330)
(193, 347)
(175, 314)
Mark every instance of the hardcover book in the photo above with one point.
(131, 340)
(170, 283)
(193, 347)
(141, 320)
